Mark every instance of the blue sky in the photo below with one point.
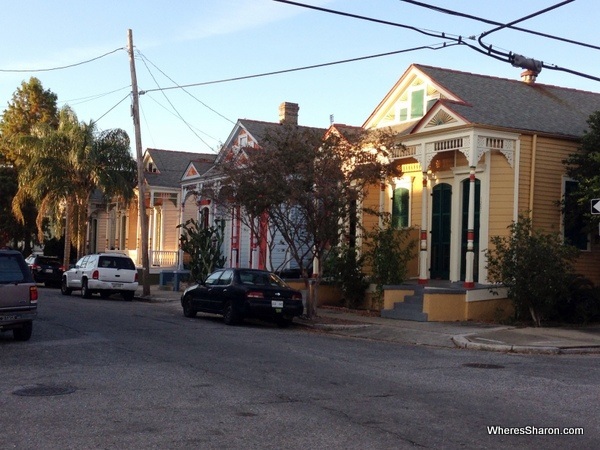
(209, 40)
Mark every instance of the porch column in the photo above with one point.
(151, 228)
(181, 218)
(423, 272)
(106, 247)
(470, 256)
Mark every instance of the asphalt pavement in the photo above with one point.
(470, 335)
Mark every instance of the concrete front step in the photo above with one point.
(410, 309)
(404, 314)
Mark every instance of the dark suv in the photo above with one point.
(18, 295)
(45, 269)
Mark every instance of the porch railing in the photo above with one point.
(164, 258)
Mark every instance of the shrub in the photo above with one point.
(389, 252)
(344, 266)
(535, 267)
(204, 245)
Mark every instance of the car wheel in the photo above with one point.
(128, 295)
(188, 310)
(284, 322)
(63, 287)
(24, 333)
(85, 292)
(230, 315)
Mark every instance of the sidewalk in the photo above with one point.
(477, 336)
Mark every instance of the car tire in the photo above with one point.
(230, 315)
(64, 290)
(85, 291)
(128, 295)
(188, 310)
(284, 322)
(24, 333)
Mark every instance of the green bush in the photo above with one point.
(389, 252)
(344, 267)
(583, 303)
(535, 267)
(204, 245)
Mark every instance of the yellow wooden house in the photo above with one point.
(476, 152)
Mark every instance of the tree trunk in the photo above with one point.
(536, 318)
(67, 250)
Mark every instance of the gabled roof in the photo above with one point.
(506, 103)
(171, 165)
(349, 132)
(258, 130)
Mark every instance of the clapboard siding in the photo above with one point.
(501, 196)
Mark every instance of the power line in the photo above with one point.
(313, 66)
(120, 101)
(62, 67)
(493, 22)
(510, 57)
(186, 91)
(369, 19)
(78, 101)
(173, 106)
(535, 14)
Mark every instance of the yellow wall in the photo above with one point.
(454, 307)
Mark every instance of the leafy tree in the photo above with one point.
(308, 185)
(389, 250)
(204, 245)
(13, 232)
(31, 106)
(66, 166)
(535, 267)
(584, 167)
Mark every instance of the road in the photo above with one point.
(112, 374)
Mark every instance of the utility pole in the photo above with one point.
(143, 223)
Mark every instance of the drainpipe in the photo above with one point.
(532, 175)
(423, 276)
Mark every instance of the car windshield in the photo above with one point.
(10, 270)
(116, 262)
(255, 278)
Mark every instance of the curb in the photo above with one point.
(463, 341)
(332, 327)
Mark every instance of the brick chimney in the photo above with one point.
(288, 113)
(529, 76)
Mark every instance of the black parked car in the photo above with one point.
(45, 269)
(241, 293)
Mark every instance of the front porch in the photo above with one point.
(445, 301)
(159, 260)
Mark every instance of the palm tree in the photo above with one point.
(66, 166)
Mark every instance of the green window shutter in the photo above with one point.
(416, 104)
(403, 114)
(574, 223)
(400, 202)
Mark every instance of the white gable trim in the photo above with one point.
(388, 112)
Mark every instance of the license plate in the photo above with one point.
(277, 303)
(48, 270)
(117, 285)
(6, 318)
